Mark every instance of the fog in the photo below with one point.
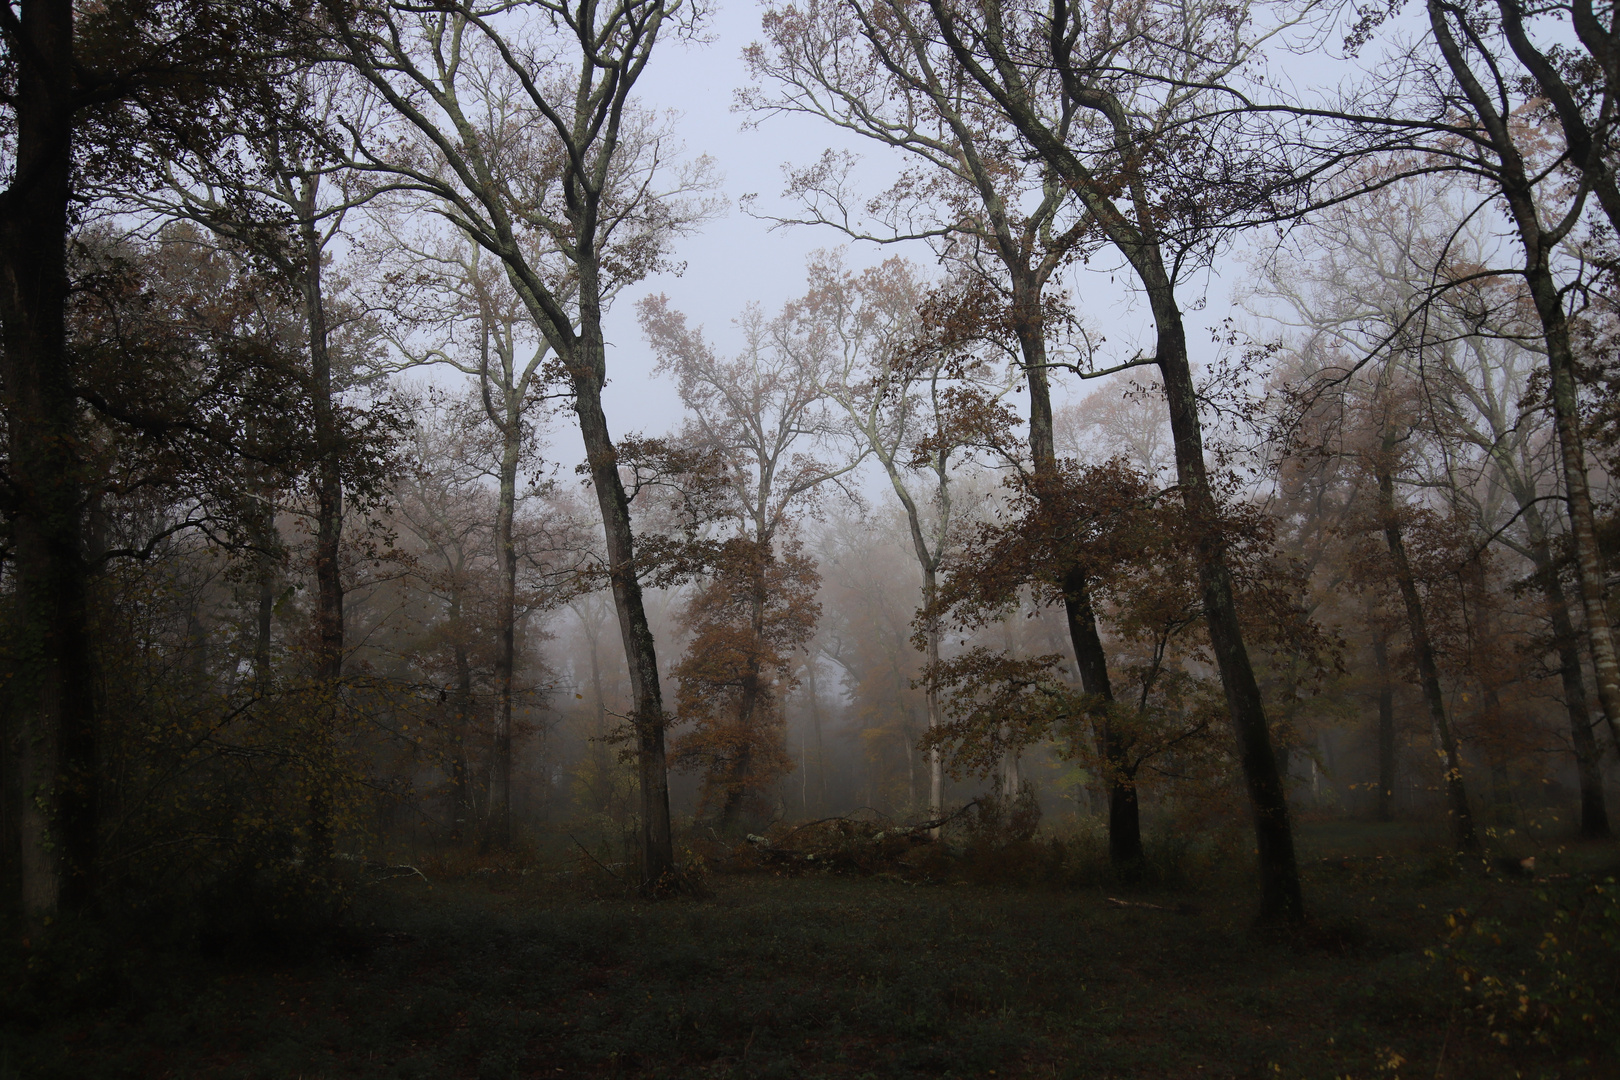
(544, 497)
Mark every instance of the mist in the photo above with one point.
(839, 539)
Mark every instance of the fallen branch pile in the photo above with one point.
(845, 844)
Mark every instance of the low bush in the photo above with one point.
(1552, 980)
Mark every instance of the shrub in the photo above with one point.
(1563, 991)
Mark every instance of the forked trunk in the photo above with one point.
(1281, 899)
(1519, 191)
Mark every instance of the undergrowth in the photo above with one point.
(955, 958)
(1552, 979)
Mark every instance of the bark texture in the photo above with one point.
(1386, 728)
(587, 368)
(54, 725)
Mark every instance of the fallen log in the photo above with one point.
(1179, 909)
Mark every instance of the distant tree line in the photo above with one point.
(298, 301)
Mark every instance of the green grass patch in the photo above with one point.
(831, 975)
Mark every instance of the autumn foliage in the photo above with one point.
(756, 609)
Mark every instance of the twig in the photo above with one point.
(1444, 1039)
(1179, 910)
(909, 828)
(595, 860)
(948, 818)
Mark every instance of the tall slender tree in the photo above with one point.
(762, 414)
(1115, 111)
(517, 120)
(1008, 229)
(1403, 264)
(94, 96)
(491, 338)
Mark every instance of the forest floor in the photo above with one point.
(827, 975)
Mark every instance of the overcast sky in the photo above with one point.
(737, 258)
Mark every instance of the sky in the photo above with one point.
(737, 259)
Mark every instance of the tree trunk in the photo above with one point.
(1589, 573)
(1386, 727)
(587, 370)
(1501, 787)
(1280, 897)
(1473, 579)
(1520, 194)
(500, 796)
(602, 799)
(753, 702)
(328, 539)
(928, 562)
(1588, 758)
(731, 809)
(1462, 820)
(463, 812)
(54, 736)
(936, 764)
(1124, 814)
(821, 748)
(266, 608)
(265, 579)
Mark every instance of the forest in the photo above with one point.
(1103, 570)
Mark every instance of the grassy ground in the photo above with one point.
(821, 976)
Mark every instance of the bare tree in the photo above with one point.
(1542, 219)
(1004, 220)
(867, 325)
(762, 414)
(1383, 461)
(1387, 268)
(516, 120)
(442, 503)
(1458, 103)
(1116, 102)
(487, 334)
